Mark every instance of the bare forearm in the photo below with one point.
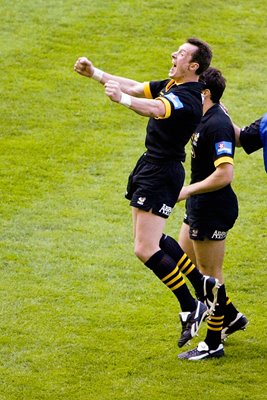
(210, 184)
(122, 90)
(237, 135)
(221, 177)
(85, 67)
(128, 86)
(146, 107)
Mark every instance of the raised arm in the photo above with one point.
(122, 90)
(153, 108)
(85, 67)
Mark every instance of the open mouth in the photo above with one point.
(173, 68)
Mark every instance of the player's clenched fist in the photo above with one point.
(113, 91)
(84, 67)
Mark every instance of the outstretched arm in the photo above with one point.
(85, 67)
(153, 108)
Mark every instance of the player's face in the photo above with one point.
(181, 61)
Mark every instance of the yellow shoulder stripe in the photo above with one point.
(223, 160)
(147, 91)
(170, 84)
(167, 107)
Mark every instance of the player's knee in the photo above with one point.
(142, 251)
(139, 252)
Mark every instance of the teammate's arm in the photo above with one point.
(237, 135)
(221, 177)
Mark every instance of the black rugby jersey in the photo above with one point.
(166, 137)
(213, 143)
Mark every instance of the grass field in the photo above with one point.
(81, 318)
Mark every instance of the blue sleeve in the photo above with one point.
(263, 134)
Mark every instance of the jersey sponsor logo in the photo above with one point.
(165, 210)
(224, 148)
(194, 140)
(174, 100)
(219, 235)
(141, 201)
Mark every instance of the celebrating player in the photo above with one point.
(174, 108)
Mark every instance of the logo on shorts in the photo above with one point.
(194, 233)
(141, 201)
(165, 210)
(219, 235)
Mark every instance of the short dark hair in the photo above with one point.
(215, 82)
(202, 55)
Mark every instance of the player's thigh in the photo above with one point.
(134, 219)
(209, 257)
(148, 231)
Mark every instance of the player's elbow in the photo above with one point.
(157, 109)
(225, 174)
(228, 176)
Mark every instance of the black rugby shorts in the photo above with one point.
(210, 219)
(154, 185)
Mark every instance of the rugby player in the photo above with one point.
(174, 108)
(211, 210)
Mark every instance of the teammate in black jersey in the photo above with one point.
(174, 108)
(211, 209)
(253, 137)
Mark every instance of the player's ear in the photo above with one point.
(206, 93)
(193, 66)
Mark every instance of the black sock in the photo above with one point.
(230, 312)
(164, 267)
(215, 322)
(171, 247)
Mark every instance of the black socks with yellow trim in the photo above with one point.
(165, 268)
(215, 322)
(230, 312)
(185, 265)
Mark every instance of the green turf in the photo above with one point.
(81, 318)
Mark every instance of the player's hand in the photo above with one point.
(184, 194)
(84, 67)
(113, 91)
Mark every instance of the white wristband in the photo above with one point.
(98, 74)
(126, 100)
